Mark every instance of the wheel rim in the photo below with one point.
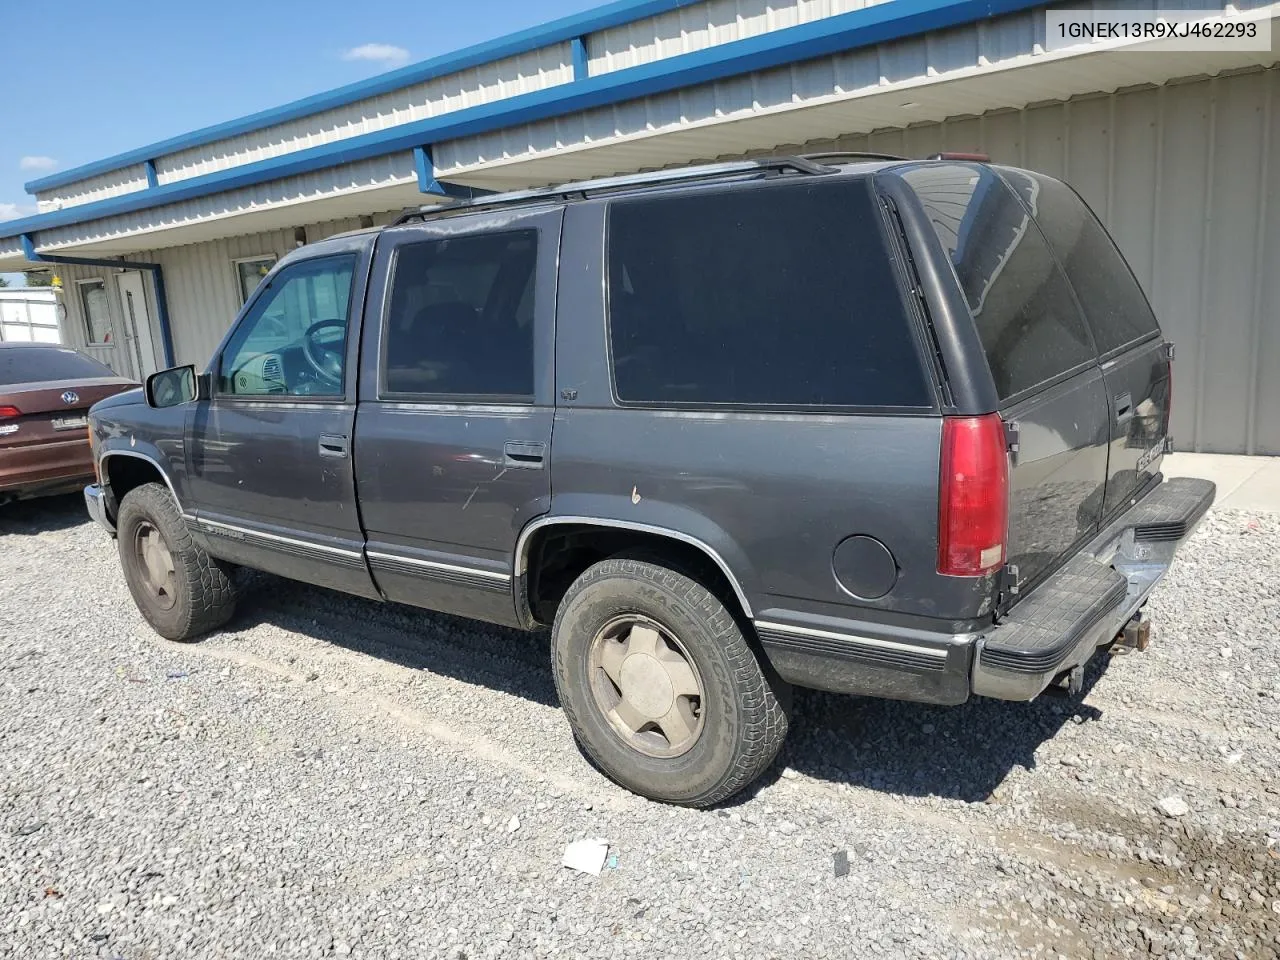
(155, 564)
(647, 686)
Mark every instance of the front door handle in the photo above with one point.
(333, 445)
(524, 454)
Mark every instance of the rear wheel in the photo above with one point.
(660, 686)
(180, 590)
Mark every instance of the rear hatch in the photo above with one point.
(1050, 388)
(1135, 360)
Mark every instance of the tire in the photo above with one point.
(198, 595)
(740, 724)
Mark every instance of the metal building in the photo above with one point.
(1178, 152)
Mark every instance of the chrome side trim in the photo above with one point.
(306, 544)
(533, 526)
(151, 460)
(857, 641)
(437, 565)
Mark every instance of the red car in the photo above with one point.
(45, 395)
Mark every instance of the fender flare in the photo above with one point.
(548, 520)
(149, 457)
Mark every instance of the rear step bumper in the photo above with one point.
(1086, 603)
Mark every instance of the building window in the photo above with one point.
(249, 274)
(97, 313)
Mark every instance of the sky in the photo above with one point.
(97, 78)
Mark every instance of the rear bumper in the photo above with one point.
(1087, 602)
(1055, 628)
(52, 467)
(95, 500)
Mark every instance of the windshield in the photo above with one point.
(38, 364)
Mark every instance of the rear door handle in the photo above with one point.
(333, 445)
(524, 454)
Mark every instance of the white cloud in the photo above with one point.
(11, 211)
(383, 53)
(37, 163)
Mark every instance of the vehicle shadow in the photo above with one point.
(43, 514)
(961, 752)
(513, 661)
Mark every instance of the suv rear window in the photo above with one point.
(38, 364)
(1027, 319)
(767, 294)
(1113, 301)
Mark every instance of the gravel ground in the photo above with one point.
(330, 777)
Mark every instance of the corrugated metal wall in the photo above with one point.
(703, 25)
(110, 184)
(349, 180)
(1187, 178)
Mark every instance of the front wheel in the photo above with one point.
(180, 590)
(661, 688)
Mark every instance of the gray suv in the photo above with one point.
(881, 427)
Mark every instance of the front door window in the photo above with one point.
(293, 340)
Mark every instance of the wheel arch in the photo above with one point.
(125, 470)
(538, 529)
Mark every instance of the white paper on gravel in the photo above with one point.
(587, 856)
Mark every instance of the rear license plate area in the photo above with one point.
(70, 423)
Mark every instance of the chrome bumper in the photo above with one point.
(96, 503)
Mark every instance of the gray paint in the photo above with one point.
(427, 510)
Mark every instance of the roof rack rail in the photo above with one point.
(855, 154)
(953, 155)
(581, 189)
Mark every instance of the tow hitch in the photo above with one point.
(1136, 635)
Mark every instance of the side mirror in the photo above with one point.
(168, 388)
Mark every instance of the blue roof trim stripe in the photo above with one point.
(858, 28)
(557, 31)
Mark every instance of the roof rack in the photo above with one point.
(853, 154)
(581, 189)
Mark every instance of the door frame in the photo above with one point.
(139, 349)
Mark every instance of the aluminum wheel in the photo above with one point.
(647, 685)
(155, 564)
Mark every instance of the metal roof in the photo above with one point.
(841, 32)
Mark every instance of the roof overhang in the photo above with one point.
(149, 219)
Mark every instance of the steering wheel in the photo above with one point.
(323, 358)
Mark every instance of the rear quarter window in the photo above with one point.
(1114, 305)
(1027, 318)
(762, 295)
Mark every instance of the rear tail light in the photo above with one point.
(1168, 398)
(8, 413)
(973, 509)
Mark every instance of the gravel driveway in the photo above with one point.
(330, 776)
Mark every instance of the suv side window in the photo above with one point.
(1114, 304)
(460, 321)
(766, 294)
(1027, 318)
(293, 340)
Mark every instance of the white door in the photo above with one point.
(139, 353)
